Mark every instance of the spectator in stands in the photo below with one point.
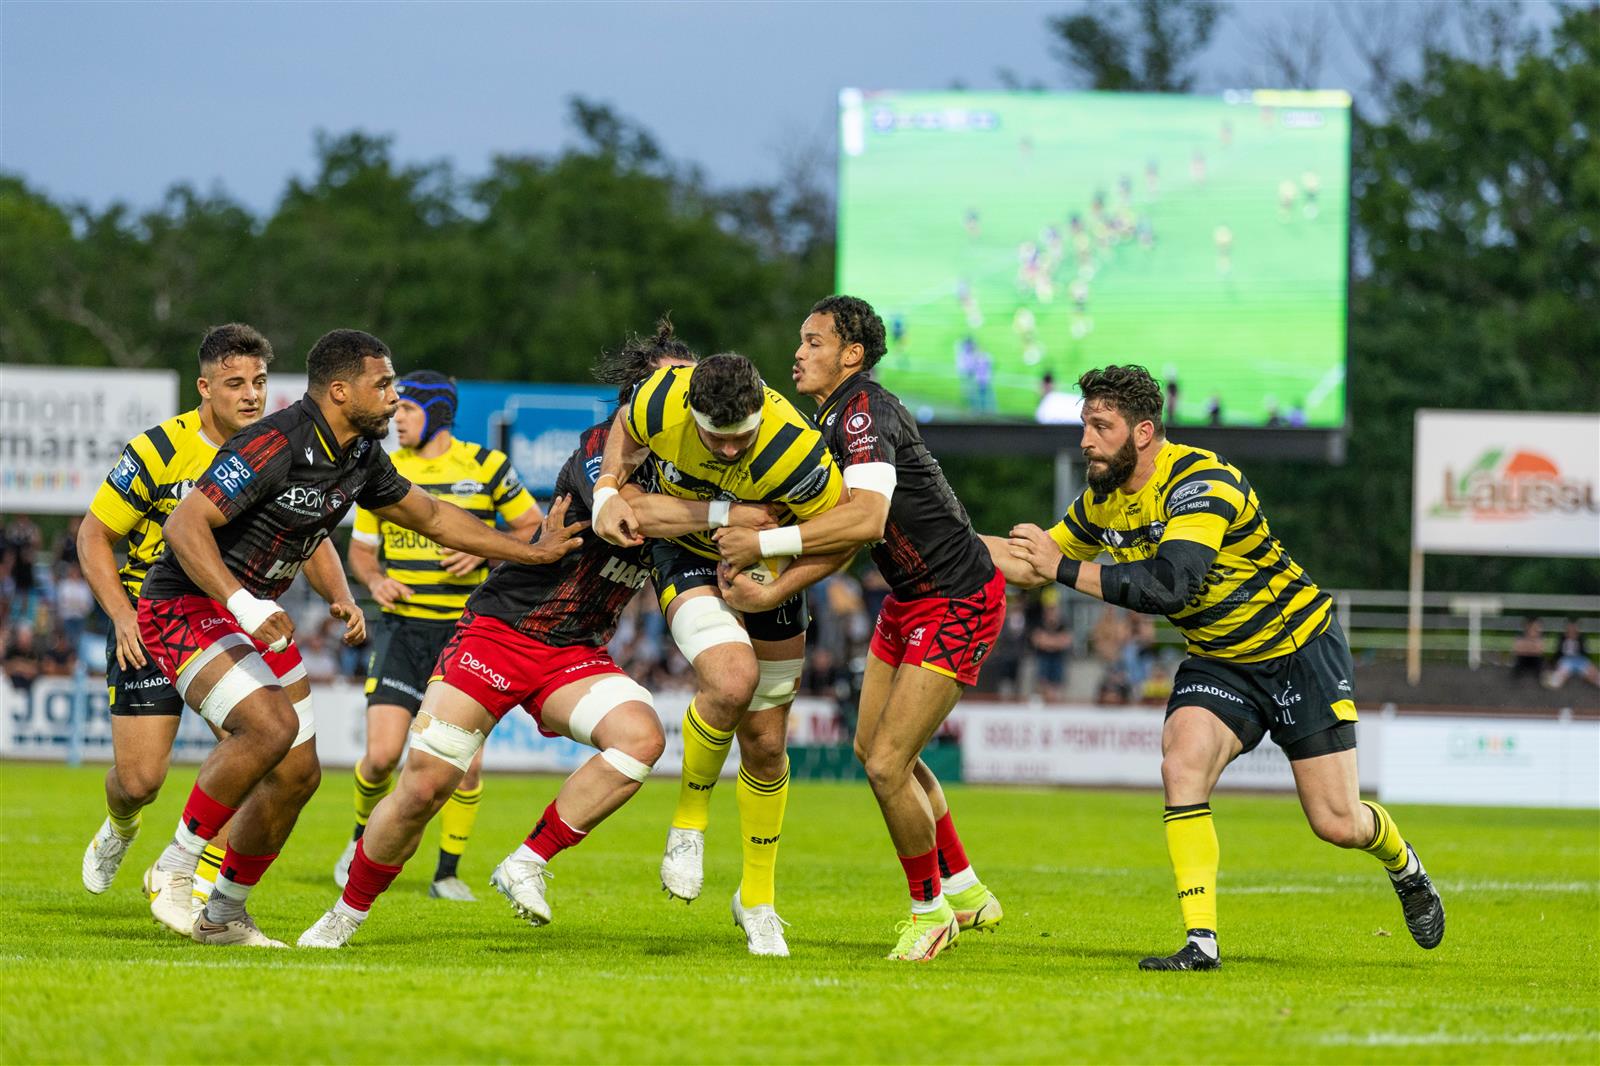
(1572, 658)
(74, 602)
(1528, 651)
(1110, 638)
(60, 656)
(1050, 641)
(1139, 652)
(320, 662)
(21, 663)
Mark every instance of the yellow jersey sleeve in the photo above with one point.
(124, 497)
(1076, 536)
(661, 394)
(511, 499)
(366, 527)
(1202, 504)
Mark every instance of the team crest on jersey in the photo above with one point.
(125, 471)
(361, 449)
(670, 474)
(1157, 530)
(859, 422)
(232, 474)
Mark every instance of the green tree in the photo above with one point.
(1143, 46)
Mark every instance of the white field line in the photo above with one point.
(1445, 1039)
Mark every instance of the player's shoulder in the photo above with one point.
(484, 459)
(660, 402)
(1186, 473)
(778, 412)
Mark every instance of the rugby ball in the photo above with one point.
(765, 571)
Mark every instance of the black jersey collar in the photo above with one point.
(325, 434)
(846, 386)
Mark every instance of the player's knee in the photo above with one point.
(887, 771)
(861, 750)
(643, 742)
(141, 784)
(732, 685)
(1343, 829)
(379, 763)
(422, 790)
(1182, 773)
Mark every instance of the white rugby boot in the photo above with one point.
(240, 932)
(451, 888)
(333, 930)
(104, 856)
(522, 881)
(170, 893)
(683, 864)
(763, 929)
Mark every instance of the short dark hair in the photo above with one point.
(1130, 390)
(235, 338)
(726, 388)
(636, 359)
(855, 322)
(341, 355)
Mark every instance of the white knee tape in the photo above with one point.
(296, 673)
(626, 764)
(705, 622)
(308, 722)
(443, 740)
(603, 696)
(776, 683)
(191, 669)
(247, 675)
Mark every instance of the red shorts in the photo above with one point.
(176, 630)
(949, 636)
(502, 667)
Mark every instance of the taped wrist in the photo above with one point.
(250, 611)
(1067, 571)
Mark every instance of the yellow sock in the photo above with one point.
(761, 807)
(368, 793)
(126, 825)
(1387, 846)
(1192, 844)
(705, 749)
(205, 873)
(457, 818)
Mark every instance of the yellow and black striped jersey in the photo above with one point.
(789, 462)
(477, 479)
(1255, 604)
(156, 470)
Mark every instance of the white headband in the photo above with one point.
(748, 425)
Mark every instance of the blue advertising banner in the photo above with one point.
(536, 424)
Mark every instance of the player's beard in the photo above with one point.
(373, 425)
(1115, 470)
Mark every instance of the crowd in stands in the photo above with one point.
(1054, 648)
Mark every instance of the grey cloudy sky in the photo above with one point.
(109, 101)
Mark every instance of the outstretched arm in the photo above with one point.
(1016, 571)
(659, 515)
(1159, 585)
(449, 526)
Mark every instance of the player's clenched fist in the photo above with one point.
(614, 520)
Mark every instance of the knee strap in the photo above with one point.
(705, 622)
(248, 675)
(604, 696)
(443, 740)
(308, 722)
(626, 764)
(191, 669)
(777, 682)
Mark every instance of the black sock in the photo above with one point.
(446, 867)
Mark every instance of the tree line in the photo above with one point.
(1476, 217)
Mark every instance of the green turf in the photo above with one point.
(1318, 964)
(1270, 329)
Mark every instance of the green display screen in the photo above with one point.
(1013, 240)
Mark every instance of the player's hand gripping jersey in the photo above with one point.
(928, 547)
(283, 486)
(157, 468)
(1255, 603)
(788, 463)
(578, 599)
(481, 482)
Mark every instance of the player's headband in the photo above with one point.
(750, 424)
(435, 394)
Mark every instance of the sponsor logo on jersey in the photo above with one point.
(979, 652)
(858, 423)
(861, 444)
(310, 456)
(1198, 505)
(232, 474)
(1287, 698)
(466, 487)
(125, 471)
(810, 487)
(1189, 491)
(208, 624)
(625, 573)
(591, 469)
(1196, 687)
(1343, 685)
(485, 671)
(308, 499)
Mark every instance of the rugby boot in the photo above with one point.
(1420, 902)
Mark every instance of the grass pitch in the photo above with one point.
(1318, 966)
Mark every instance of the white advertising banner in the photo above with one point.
(62, 429)
(1491, 761)
(1493, 483)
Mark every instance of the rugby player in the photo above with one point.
(536, 636)
(1266, 652)
(942, 617)
(156, 469)
(422, 590)
(715, 432)
(207, 616)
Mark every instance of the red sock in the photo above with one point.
(952, 856)
(922, 874)
(368, 879)
(552, 835)
(244, 870)
(204, 816)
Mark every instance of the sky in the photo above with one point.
(102, 102)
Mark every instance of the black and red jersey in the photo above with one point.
(579, 598)
(928, 546)
(283, 484)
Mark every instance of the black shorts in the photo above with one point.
(676, 570)
(144, 691)
(404, 651)
(1304, 699)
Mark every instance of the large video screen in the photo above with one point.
(1013, 240)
